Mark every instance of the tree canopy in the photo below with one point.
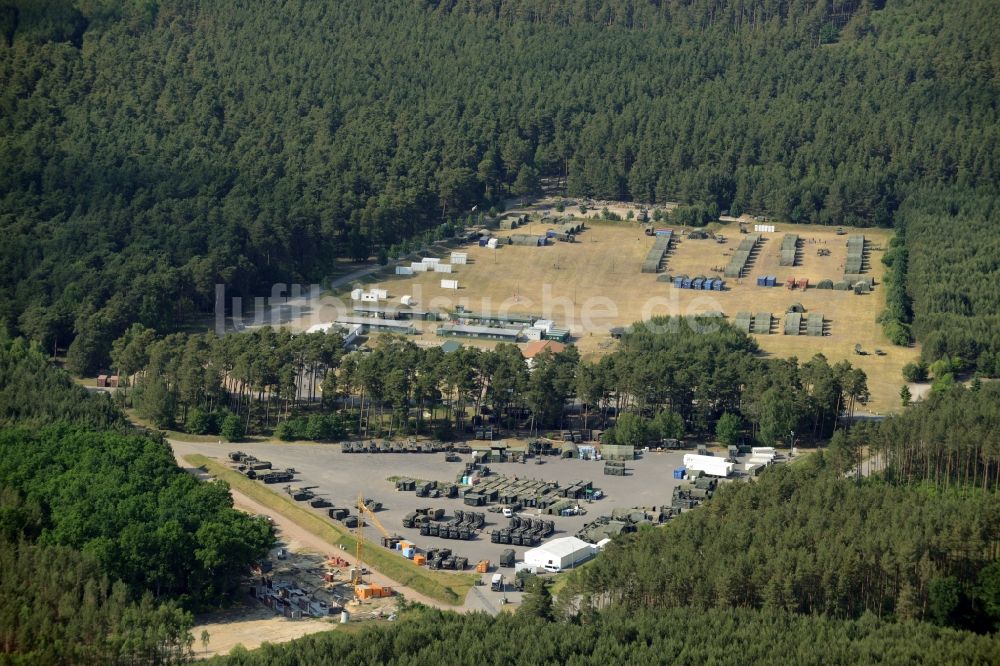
(153, 150)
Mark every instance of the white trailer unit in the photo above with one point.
(404, 270)
(763, 451)
(449, 284)
(430, 261)
(381, 293)
(710, 465)
(442, 268)
(559, 554)
(418, 267)
(369, 297)
(459, 258)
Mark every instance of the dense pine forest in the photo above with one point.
(106, 546)
(154, 150)
(672, 377)
(672, 636)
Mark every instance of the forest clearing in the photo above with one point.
(594, 285)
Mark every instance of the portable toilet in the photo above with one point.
(679, 473)
(718, 285)
(679, 282)
(686, 283)
(696, 283)
(707, 284)
(771, 281)
(483, 241)
(762, 281)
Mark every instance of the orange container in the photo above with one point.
(420, 560)
(483, 566)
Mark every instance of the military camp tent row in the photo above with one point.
(740, 260)
(855, 264)
(761, 323)
(789, 250)
(654, 259)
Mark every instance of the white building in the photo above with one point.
(559, 554)
(350, 332)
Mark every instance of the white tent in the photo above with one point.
(559, 554)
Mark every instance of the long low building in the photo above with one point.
(349, 331)
(494, 319)
(374, 324)
(393, 312)
(479, 332)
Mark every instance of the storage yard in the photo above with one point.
(558, 498)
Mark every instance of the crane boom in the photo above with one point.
(362, 509)
(364, 513)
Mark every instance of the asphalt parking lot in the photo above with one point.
(339, 477)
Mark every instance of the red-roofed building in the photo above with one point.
(536, 347)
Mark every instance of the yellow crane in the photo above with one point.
(364, 513)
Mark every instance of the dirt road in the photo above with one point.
(297, 538)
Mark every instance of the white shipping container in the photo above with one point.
(449, 284)
(710, 465)
(404, 270)
(381, 293)
(406, 300)
(430, 261)
(492, 243)
(763, 450)
(369, 297)
(459, 258)
(442, 268)
(419, 268)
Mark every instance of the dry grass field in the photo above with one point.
(595, 284)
